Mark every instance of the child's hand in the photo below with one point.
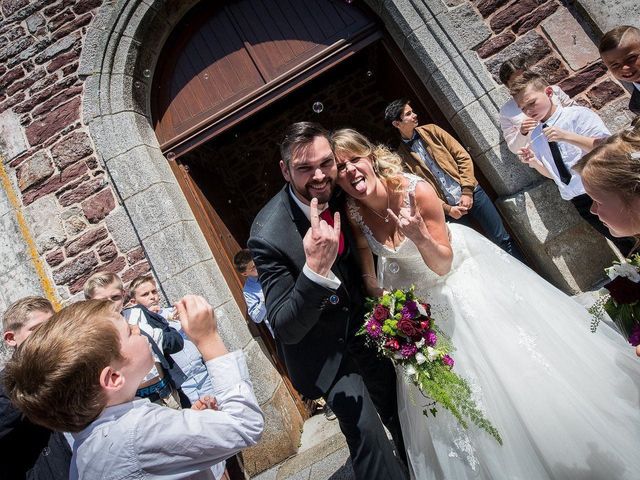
(457, 212)
(555, 134)
(204, 403)
(155, 308)
(197, 318)
(527, 156)
(527, 125)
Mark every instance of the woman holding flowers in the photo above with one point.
(564, 401)
(611, 177)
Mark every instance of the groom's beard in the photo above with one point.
(308, 192)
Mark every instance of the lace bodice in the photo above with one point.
(406, 248)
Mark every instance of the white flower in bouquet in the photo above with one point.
(420, 358)
(410, 370)
(625, 269)
(432, 354)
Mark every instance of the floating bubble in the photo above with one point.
(229, 201)
(137, 84)
(317, 107)
(369, 73)
(146, 73)
(393, 267)
(171, 156)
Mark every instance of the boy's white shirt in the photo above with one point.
(142, 439)
(137, 318)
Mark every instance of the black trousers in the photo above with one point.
(583, 205)
(365, 387)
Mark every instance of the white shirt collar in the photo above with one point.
(306, 209)
(637, 85)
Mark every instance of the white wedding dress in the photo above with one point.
(565, 401)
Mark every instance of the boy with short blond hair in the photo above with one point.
(87, 384)
(106, 285)
(563, 135)
(144, 291)
(35, 452)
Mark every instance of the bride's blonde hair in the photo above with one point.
(386, 164)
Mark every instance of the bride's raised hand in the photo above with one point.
(409, 221)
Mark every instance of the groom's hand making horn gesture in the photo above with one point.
(321, 241)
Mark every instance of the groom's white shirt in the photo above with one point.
(330, 281)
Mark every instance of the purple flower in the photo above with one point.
(410, 309)
(634, 337)
(430, 338)
(408, 350)
(374, 328)
(448, 361)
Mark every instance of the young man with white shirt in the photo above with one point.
(563, 135)
(515, 125)
(87, 385)
(307, 265)
(620, 52)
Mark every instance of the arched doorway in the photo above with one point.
(231, 77)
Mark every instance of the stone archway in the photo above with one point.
(120, 51)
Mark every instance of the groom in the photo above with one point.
(306, 261)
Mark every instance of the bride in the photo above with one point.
(566, 401)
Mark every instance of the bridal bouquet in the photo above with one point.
(400, 326)
(621, 299)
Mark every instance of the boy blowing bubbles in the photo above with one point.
(79, 372)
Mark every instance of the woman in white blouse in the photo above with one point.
(516, 126)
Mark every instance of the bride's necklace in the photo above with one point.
(383, 217)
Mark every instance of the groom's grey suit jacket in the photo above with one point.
(313, 324)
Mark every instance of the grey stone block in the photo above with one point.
(531, 45)
(137, 169)
(123, 132)
(13, 141)
(46, 224)
(91, 106)
(616, 115)
(176, 248)
(477, 125)
(506, 174)
(336, 466)
(607, 14)
(21, 281)
(401, 17)
(264, 376)
(121, 229)
(205, 279)
(5, 206)
(563, 247)
(460, 82)
(466, 24)
(13, 249)
(128, 94)
(231, 322)
(156, 207)
(427, 49)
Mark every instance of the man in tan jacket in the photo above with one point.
(431, 153)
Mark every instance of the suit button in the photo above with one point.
(340, 341)
(334, 299)
(345, 309)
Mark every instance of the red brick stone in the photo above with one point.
(136, 255)
(52, 103)
(512, 13)
(69, 27)
(11, 101)
(84, 241)
(107, 251)
(582, 101)
(487, 7)
(583, 79)
(92, 163)
(99, 206)
(25, 83)
(55, 182)
(69, 69)
(55, 258)
(494, 44)
(63, 59)
(11, 76)
(63, 17)
(78, 267)
(43, 91)
(532, 20)
(138, 269)
(81, 191)
(552, 69)
(71, 148)
(53, 122)
(603, 93)
(83, 6)
(114, 266)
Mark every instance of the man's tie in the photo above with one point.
(565, 175)
(327, 216)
